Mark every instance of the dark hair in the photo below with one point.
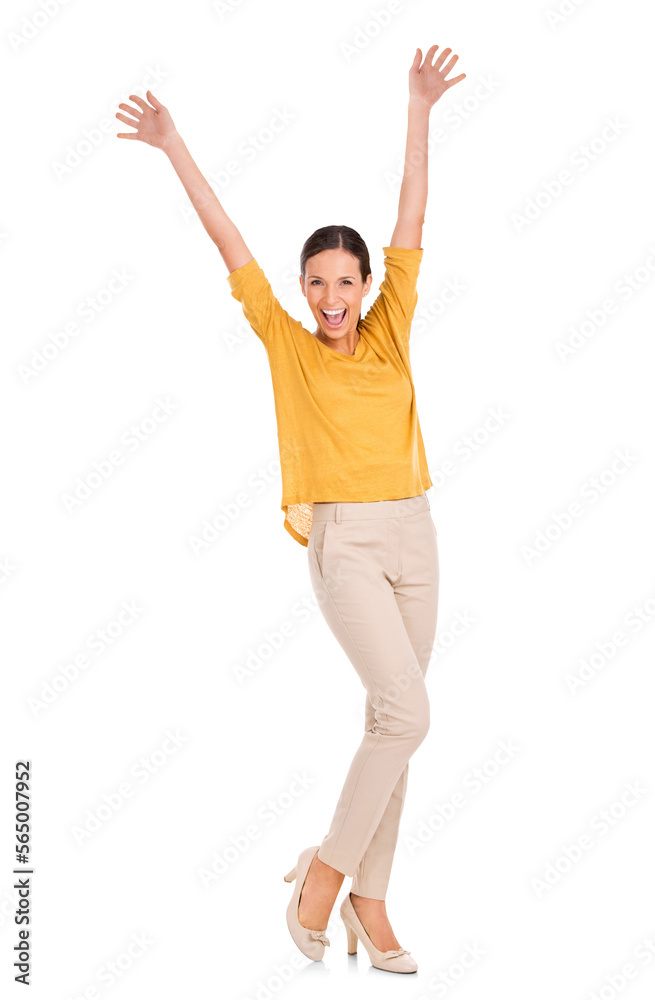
(336, 238)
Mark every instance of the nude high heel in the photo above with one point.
(396, 960)
(311, 943)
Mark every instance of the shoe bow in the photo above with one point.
(396, 953)
(319, 936)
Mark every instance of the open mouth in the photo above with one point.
(334, 319)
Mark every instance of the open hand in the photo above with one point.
(428, 82)
(153, 125)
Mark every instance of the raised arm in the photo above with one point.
(427, 83)
(154, 126)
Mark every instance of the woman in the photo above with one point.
(354, 477)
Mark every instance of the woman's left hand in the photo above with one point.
(428, 82)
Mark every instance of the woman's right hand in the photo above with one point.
(153, 125)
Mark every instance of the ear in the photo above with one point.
(302, 287)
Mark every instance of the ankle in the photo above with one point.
(367, 899)
(326, 874)
(377, 907)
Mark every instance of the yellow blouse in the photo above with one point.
(347, 425)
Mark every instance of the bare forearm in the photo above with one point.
(211, 213)
(414, 188)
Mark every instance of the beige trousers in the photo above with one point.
(374, 569)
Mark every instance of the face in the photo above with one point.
(333, 283)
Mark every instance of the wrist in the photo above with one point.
(419, 103)
(172, 142)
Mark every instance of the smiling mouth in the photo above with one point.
(334, 321)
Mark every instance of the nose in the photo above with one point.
(332, 303)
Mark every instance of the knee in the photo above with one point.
(407, 718)
(421, 723)
(418, 722)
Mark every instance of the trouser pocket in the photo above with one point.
(319, 544)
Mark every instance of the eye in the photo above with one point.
(314, 281)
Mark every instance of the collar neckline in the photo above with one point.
(347, 357)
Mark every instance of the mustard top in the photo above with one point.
(347, 425)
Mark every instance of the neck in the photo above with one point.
(347, 344)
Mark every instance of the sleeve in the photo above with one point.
(250, 286)
(393, 309)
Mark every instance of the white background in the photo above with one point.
(79, 204)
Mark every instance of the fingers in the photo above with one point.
(441, 58)
(153, 100)
(449, 65)
(126, 120)
(429, 55)
(445, 70)
(143, 105)
(135, 114)
(139, 100)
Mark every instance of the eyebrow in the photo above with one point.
(338, 279)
